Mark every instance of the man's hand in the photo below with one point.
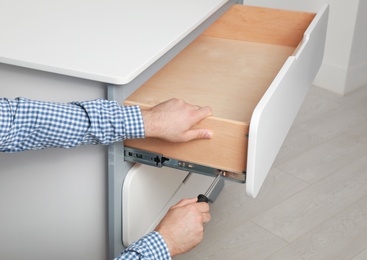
(183, 226)
(172, 121)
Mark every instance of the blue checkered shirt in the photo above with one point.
(149, 247)
(27, 124)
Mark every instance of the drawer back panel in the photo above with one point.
(262, 25)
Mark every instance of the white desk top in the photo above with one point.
(110, 41)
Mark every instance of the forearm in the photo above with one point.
(26, 124)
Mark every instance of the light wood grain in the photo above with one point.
(304, 211)
(240, 208)
(297, 142)
(313, 106)
(229, 75)
(323, 160)
(226, 150)
(335, 122)
(330, 239)
(240, 242)
(250, 23)
(321, 218)
(231, 234)
(361, 256)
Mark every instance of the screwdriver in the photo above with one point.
(205, 197)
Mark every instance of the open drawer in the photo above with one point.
(254, 67)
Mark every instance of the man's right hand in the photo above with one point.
(183, 226)
(173, 120)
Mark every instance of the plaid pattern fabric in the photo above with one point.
(27, 124)
(149, 247)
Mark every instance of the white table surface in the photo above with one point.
(110, 41)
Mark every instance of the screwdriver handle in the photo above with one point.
(203, 198)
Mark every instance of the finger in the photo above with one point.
(197, 134)
(203, 112)
(194, 107)
(206, 217)
(203, 207)
(184, 202)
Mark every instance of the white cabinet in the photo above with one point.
(79, 50)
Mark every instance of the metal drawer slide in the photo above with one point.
(158, 160)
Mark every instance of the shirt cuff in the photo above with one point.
(134, 124)
(151, 246)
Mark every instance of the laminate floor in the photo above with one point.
(313, 204)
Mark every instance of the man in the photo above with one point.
(27, 124)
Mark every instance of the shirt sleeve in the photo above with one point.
(27, 124)
(149, 247)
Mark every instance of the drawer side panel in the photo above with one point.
(222, 152)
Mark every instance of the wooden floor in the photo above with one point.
(313, 204)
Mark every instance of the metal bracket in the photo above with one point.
(158, 160)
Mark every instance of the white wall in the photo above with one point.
(344, 68)
(357, 75)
